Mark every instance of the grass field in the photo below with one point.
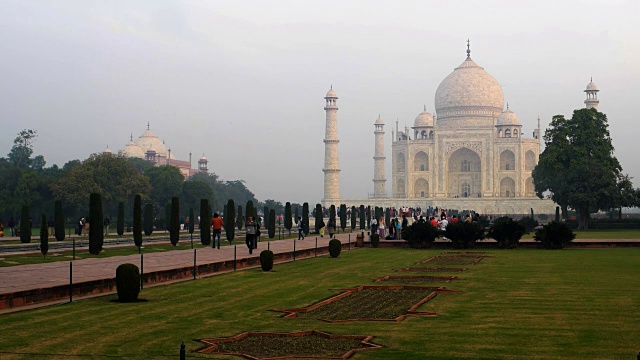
(518, 304)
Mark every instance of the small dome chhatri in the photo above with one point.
(508, 117)
(379, 121)
(591, 86)
(423, 119)
(331, 93)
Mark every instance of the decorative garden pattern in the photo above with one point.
(418, 278)
(297, 344)
(431, 269)
(370, 303)
(452, 260)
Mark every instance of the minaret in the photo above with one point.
(331, 164)
(379, 181)
(536, 132)
(592, 95)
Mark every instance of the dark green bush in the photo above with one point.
(528, 222)
(464, 234)
(266, 260)
(128, 282)
(554, 235)
(420, 234)
(507, 232)
(375, 240)
(335, 246)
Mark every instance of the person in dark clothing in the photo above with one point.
(405, 222)
(106, 223)
(12, 226)
(251, 234)
(51, 224)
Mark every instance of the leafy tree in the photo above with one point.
(578, 166)
(20, 154)
(205, 222)
(354, 217)
(506, 232)
(239, 219)
(625, 196)
(148, 219)
(272, 224)
(554, 235)
(305, 217)
(25, 225)
(174, 227)
(343, 216)
(288, 222)
(137, 221)
(44, 236)
(120, 224)
(229, 220)
(96, 228)
(59, 221)
(166, 183)
(275, 205)
(361, 212)
(193, 192)
(141, 165)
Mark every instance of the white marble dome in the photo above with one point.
(133, 151)
(379, 121)
(149, 139)
(468, 90)
(508, 117)
(591, 86)
(331, 93)
(423, 119)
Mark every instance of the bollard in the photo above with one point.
(70, 281)
(141, 270)
(234, 256)
(183, 352)
(268, 245)
(191, 241)
(195, 270)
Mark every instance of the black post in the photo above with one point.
(194, 264)
(70, 281)
(235, 248)
(141, 270)
(74, 249)
(294, 250)
(268, 245)
(183, 352)
(192, 241)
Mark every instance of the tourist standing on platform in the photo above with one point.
(381, 228)
(300, 228)
(87, 221)
(251, 234)
(216, 224)
(374, 225)
(12, 226)
(399, 228)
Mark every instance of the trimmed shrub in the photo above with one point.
(343, 217)
(148, 219)
(271, 226)
(25, 225)
(266, 260)
(368, 213)
(375, 240)
(58, 218)
(305, 218)
(507, 232)
(205, 222)
(557, 213)
(192, 221)
(318, 215)
(354, 218)
(420, 234)
(120, 224)
(335, 246)
(174, 221)
(288, 221)
(44, 236)
(137, 220)
(362, 217)
(128, 282)
(463, 235)
(230, 221)
(96, 228)
(529, 223)
(554, 235)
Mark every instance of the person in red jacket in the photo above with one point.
(216, 224)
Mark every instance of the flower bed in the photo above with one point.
(369, 303)
(419, 278)
(431, 269)
(452, 260)
(297, 344)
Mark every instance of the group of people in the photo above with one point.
(330, 227)
(391, 231)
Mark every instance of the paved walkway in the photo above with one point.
(38, 276)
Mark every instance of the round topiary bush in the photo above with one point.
(335, 246)
(375, 240)
(128, 282)
(266, 260)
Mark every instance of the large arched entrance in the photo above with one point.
(421, 188)
(400, 188)
(400, 163)
(507, 187)
(507, 160)
(421, 161)
(464, 176)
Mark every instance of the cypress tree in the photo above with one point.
(362, 217)
(249, 210)
(369, 217)
(25, 225)
(59, 220)
(174, 223)
(272, 224)
(96, 226)
(229, 221)
(224, 214)
(44, 236)
(148, 219)
(343, 216)
(266, 215)
(205, 222)
(120, 224)
(137, 221)
(288, 223)
(192, 221)
(387, 216)
(353, 218)
(332, 214)
(318, 216)
(296, 214)
(239, 219)
(305, 217)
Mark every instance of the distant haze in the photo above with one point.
(243, 81)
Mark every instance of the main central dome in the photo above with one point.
(469, 91)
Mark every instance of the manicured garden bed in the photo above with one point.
(452, 260)
(431, 269)
(417, 279)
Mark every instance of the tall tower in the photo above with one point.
(331, 164)
(379, 181)
(592, 95)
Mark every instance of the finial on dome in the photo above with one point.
(331, 89)
(147, 125)
(425, 107)
(592, 79)
(468, 49)
(507, 105)
(131, 138)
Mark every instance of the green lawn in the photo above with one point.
(518, 304)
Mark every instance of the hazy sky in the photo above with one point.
(243, 81)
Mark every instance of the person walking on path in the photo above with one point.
(300, 228)
(331, 227)
(251, 234)
(216, 224)
(321, 226)
(12, 226)
(80, 226)
(106, 223)
(51, 225)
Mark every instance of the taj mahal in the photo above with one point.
(470, 155)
